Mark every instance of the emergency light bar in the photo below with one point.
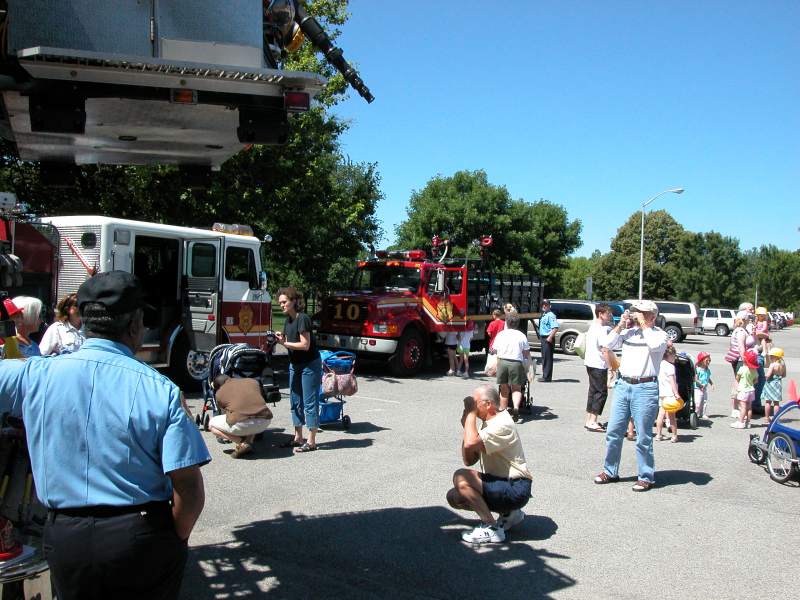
(407, 254)
(235, 229)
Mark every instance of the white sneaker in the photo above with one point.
(734, 414)
(484, 534)
(450, 373)
(512, 519)
(738, 425)
(465, 374)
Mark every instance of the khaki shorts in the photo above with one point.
(510, 372)
(242, 428)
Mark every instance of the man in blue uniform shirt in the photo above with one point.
(115, 458)
(548, 327)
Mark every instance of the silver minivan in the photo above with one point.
(574, 317)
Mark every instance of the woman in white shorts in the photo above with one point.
(244, 412)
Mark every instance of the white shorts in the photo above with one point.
(242, 428)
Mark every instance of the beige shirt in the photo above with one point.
(504, 456)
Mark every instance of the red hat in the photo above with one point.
(751, 359)
(11, 308)
(701, 356)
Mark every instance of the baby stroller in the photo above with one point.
(238, 361)
(331, 408)
(527, 391)
(684, 377)
(780, 444)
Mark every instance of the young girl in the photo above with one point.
(746, 389)
(702, 379)
(762, 330)
(463, 350)
(667, 395)
(772, 394)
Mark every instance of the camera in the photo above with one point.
(7, 328)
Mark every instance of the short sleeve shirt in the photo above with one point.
(547, 323)
(493, 329)
(61, 337)
(504, 456)
(666, 372)
(292, 330)
(595, 336)
(747, 379)
(511, 344)
(102, 427)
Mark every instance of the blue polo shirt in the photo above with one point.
(547, 323)
(102, 427)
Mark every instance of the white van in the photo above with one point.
(718, 320)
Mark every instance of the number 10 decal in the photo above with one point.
(353, 312)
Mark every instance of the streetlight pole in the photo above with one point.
(641, 245)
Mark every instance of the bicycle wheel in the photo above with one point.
(780, 457)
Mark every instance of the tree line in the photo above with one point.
(708, 269)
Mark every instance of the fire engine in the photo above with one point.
(403, 303)
(206, 286)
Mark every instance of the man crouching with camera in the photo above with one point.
(504, 486)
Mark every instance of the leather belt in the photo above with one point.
(105, 512)
(635, 380)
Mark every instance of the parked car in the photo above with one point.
(718, 320)
(681, 318)
(574, 317)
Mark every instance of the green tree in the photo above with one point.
(617, 274)
(573, 278)
(528, 237)
(708, 270)
(776, 273)
(318, 207)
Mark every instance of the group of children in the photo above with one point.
(670, 401)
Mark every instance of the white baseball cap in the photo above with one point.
(644, 306)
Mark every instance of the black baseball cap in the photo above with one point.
(120, 292)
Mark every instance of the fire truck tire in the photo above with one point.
(410, 355)
(178, 370)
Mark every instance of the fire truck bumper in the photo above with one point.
(332, 341)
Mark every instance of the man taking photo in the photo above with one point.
(504, 484)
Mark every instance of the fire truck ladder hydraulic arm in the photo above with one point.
(284, 22)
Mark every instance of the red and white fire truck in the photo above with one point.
(402, 304)
(206, 286)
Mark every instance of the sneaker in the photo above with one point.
(450, 373)
(512, 519)
(658, 438)
(465, 374)
(738, 425)
(484, 534)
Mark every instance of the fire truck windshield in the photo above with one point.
(382, 277)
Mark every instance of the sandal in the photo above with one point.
(292, 444)
(242, 449)
(641, 486)
(306, 447)
(604, 477)
(597, 428)
(631, 437)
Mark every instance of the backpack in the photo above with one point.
(580, 345)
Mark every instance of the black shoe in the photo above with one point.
(543, 380)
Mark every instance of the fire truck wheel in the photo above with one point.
(410, 354)
(178, 369)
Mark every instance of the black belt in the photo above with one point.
(105, 511)
(635, 380)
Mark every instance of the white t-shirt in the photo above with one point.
(511, 344)
(666, 371)
(594, 358)
(61, 337)
(504, 456)
(465, 339)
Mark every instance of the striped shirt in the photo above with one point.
(642, 350)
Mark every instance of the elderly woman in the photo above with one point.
(27, 321)
(741, 342)
(65, 334)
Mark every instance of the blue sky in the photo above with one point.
(592, 105)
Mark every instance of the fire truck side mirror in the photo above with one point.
(439, 281)
(262, 280)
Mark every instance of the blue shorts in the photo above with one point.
(504, 495)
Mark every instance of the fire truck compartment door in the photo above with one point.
(202, 291)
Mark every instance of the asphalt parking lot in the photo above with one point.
(365, 516)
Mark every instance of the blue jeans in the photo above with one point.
(304, 393)
(639, 401)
